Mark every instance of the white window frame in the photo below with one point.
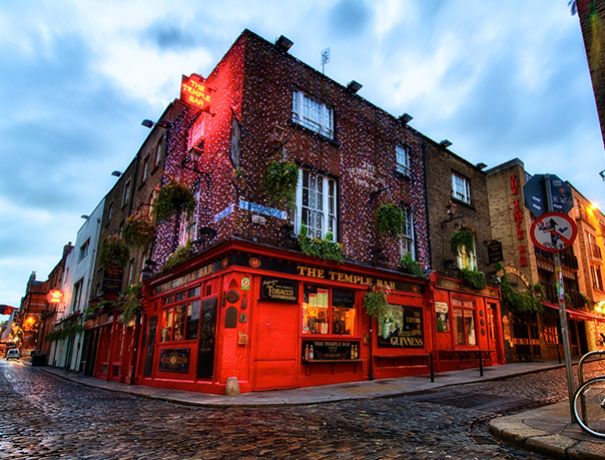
(461, 191)
(312, 114)
(84, 250)
(77, 295)
(402, 160)
(408, 238)
(323, 209)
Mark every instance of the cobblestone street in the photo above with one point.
(42, 416)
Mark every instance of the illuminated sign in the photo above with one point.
(195, 92)
(54, 296)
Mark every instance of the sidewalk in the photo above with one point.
(547, 430)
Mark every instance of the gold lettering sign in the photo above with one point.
(343, 277)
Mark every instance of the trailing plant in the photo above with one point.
(321, 248)
(473, 278)
(462, 237)
(520, 302)
(409, 265)
(114, 251)
(51, 336)
(390, 219)
(376, 305)
(539, 291)
(181, 254)
(173, 198)
(139, 232)
(130, 299)
(280, 181)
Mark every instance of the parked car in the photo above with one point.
(13, 353)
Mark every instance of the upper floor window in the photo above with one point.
(408, 245)
(84, 250)
(595, 249)
(109, 213)
(461, 188)
(313, 115)
(77, 295)
(597, 279)
(127, 192)
(145, 169)
(159, 150)
(402, 160)
(316, 205)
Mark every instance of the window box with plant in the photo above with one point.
(325, 248)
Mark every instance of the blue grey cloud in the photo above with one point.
(349, 17)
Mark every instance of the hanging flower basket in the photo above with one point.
(139, 232)
(321, 248)
(376, 305)
(173, 198)
(390, 219)
(130, 299)
(462, 237)
(114, 251)
(280, 181)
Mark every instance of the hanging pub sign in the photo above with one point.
(279, 290)
(195, 93)
(402, 329)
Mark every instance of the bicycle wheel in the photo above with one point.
(589, 406)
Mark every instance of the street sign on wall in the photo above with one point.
(542, 186)
(553, 232)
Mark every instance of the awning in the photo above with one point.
(572, 313)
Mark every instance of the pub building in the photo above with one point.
(271, 290)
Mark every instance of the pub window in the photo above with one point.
(408, 245)
(159, 150)
(327, 311)
(461, 188)
(316, 205)
(181, 316)
(402, 160)
(312, 114)
(464, 322)
(466, 258)
(401, 328)
(127, 192)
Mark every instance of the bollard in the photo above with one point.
(232, 386)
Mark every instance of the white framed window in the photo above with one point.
(84, 250)
(77, 295)
(408, 243)
(312, 114)
(316, 205)
(130, 278)
(402, 160)
(461, 188)
(188, 224)
(466, 258)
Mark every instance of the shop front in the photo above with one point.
(277, 319)
(468, 331)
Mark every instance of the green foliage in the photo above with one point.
(461, 237)
(376, 305)
(139, 232)
(173, 198)
(321, 248)
(473, 279)
(390, 219)
(280, 181)
(114, 251)
(409, 265)
(524, 302)
(181, 254)
(130, 299)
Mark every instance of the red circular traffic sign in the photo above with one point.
(553, 232)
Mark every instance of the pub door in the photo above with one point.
(276, 358)
(492, 333)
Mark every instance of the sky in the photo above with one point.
(498, 79)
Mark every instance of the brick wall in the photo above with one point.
(446, 214)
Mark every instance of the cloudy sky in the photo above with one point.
(498, 79)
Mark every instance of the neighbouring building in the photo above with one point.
(467, 309)
(29, 317)
(530, 271)
(592, 24)
(68, 334)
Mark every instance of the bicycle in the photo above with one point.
(589, 398)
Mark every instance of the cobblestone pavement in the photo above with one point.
(42, 416)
